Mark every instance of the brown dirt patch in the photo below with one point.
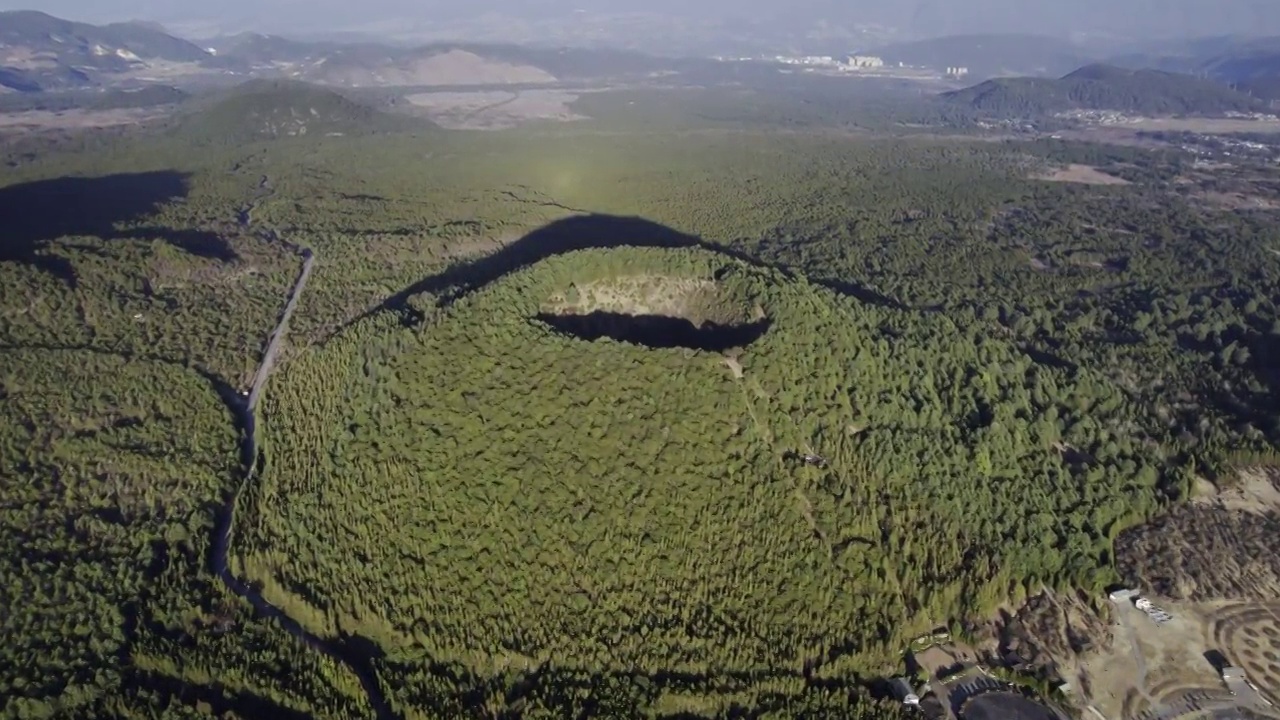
(694, 299)
(935, 660)
(1220, 546)
(1083, 174)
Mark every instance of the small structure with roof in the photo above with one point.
(1153, 611)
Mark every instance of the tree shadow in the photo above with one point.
(655, 331)
(577, 232)
(34, 214)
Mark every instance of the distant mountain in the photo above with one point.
(41, 52)
(990, 55)
(128, 41)
(257, 48)
(1251, 65)
(1103, 87)
(366, 64)
(267, 109)
(38, 78)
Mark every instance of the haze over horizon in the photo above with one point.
(526, 19)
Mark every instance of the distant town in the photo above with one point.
(868, 65)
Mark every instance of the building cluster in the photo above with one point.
(818, 60)
(848, 63)
(864, 61)
(1155, 612)
(957, 71)
(1261, 117)
(1102, 117)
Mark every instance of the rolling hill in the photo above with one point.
(1251, 65)
(1103, 87)
(266, 109)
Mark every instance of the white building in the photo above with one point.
(864, 61)
(1155, 612)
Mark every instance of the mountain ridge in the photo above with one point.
(41, 52)
(1100, 86)
(1249, 64)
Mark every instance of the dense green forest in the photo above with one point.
(1021, 367)
(515, 497)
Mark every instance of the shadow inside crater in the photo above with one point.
(655, 331)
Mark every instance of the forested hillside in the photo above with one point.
(607, 507)
(1104, 87)
(462, 494)
(263, 109)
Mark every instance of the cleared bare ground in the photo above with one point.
(454, 67)
(1083, 174)
(697, 300)
(495, 109)
(1223, 546)
(1128, 666)
(1214, 564)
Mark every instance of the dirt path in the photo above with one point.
(1139, 659)
(277, 335)
(245, 413)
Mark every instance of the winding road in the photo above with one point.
(244, 410)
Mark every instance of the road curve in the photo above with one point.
(244, 410)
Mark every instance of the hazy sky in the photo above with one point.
(914, 17)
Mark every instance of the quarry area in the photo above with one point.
(1195, 636)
